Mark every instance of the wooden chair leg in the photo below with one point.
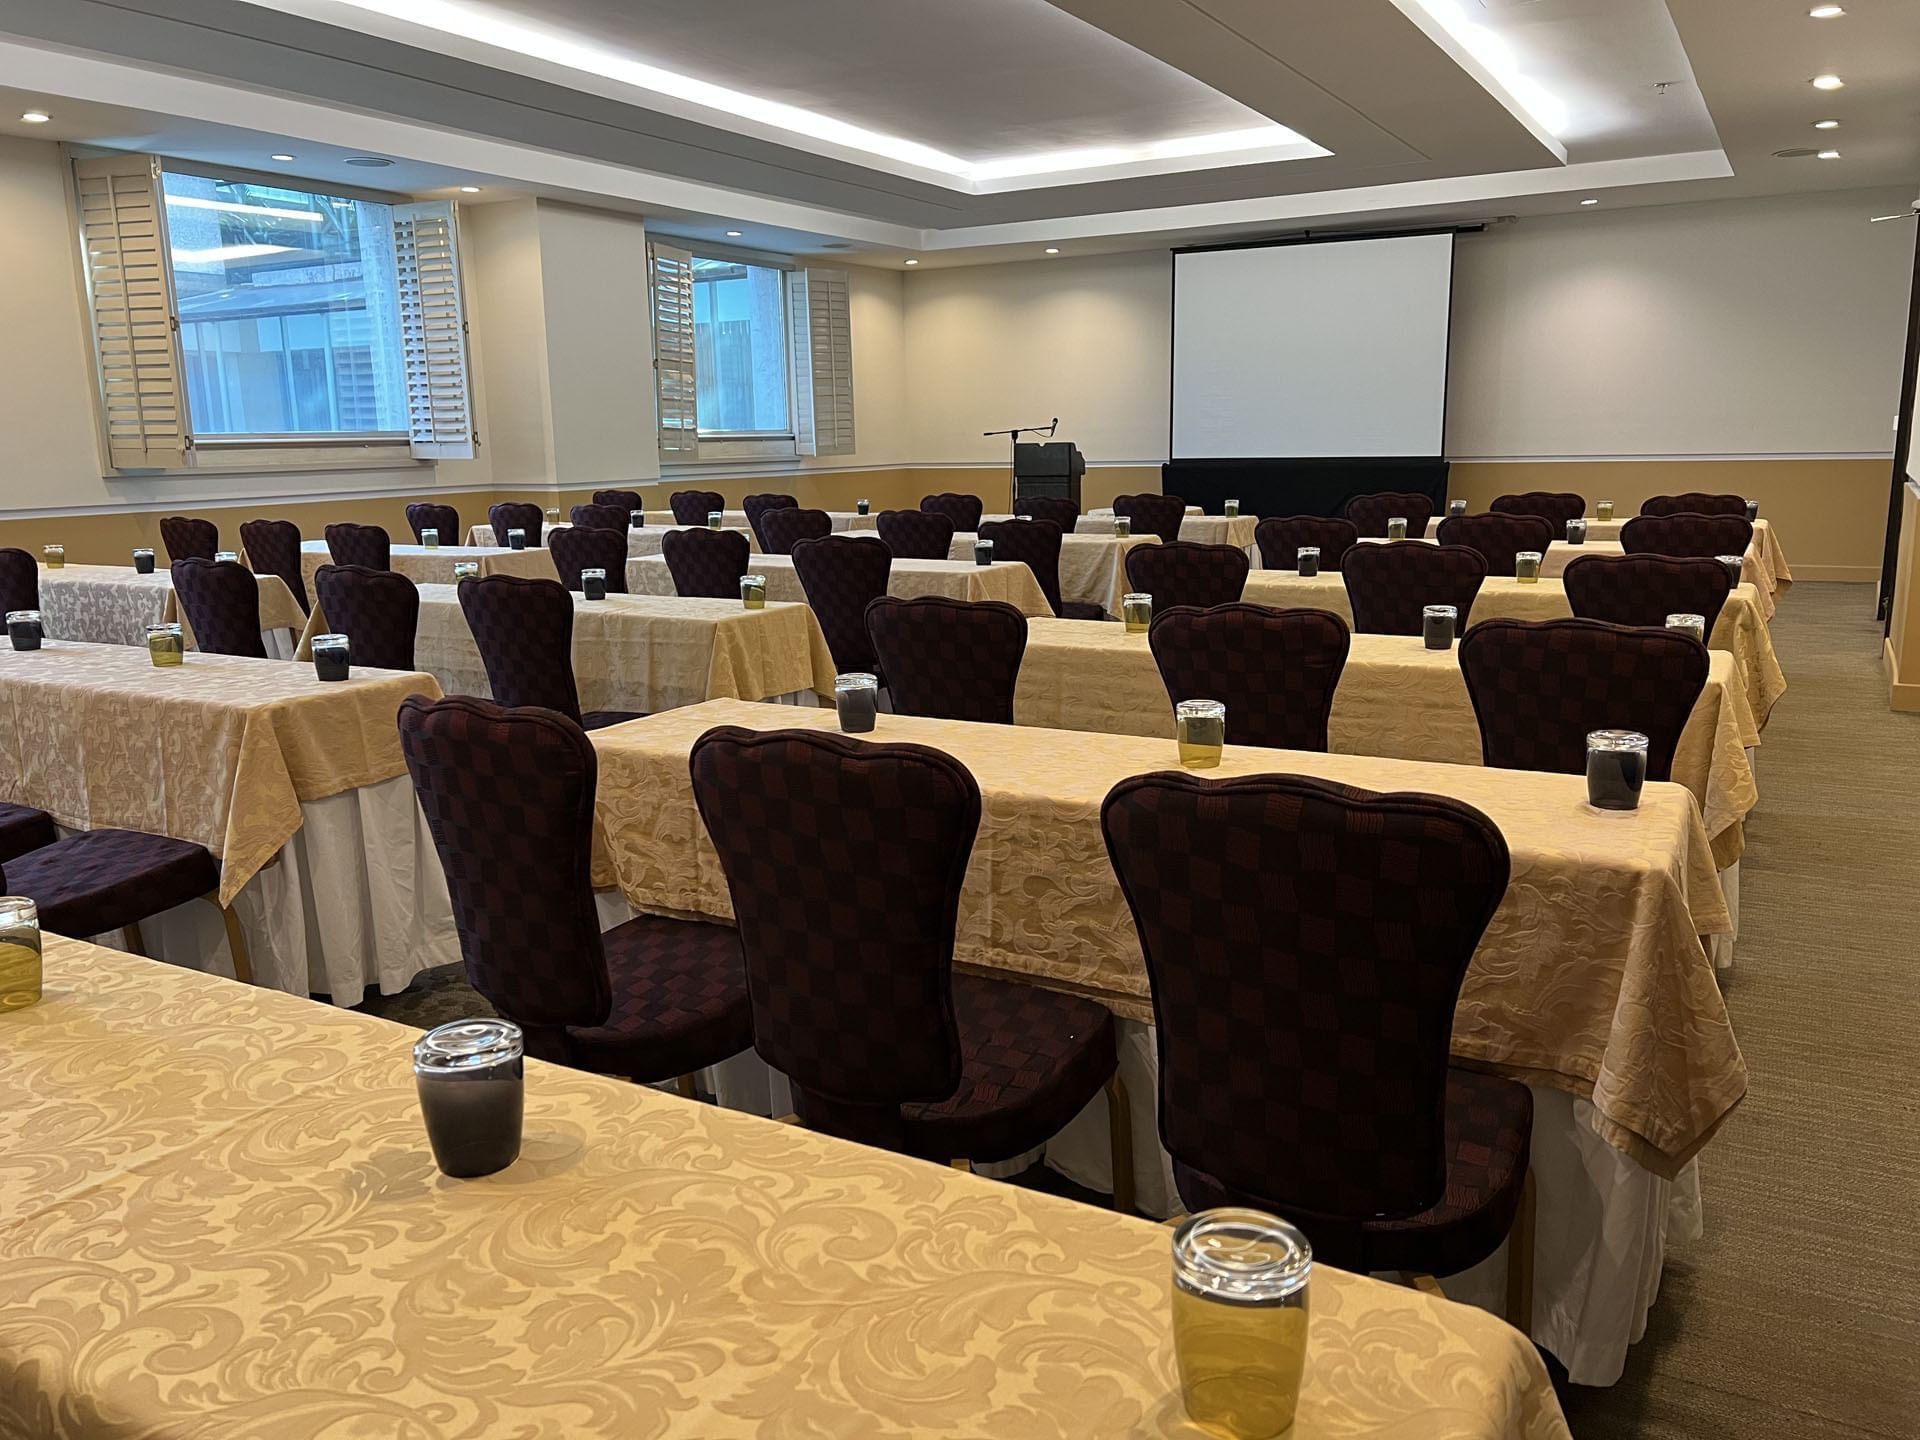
(963, 1165)
(135, 942)
(236, 942)
(1424, 1283)
(1120, 1140)
(687, 1087)
(1520, 1262)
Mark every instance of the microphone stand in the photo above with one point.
(1013, 439)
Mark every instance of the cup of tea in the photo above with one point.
(330, 657)
(471, 1079)
(1240, 1292)
(1136, 611)
(856, 696)
(1200, 730)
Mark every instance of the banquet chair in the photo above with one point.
(1695, 502)
(1499, 538)
(1036, 544)
(706, 563)
(1388, 586)
(444, 520)
(780, 530)
(757, 505)
(273, 548)
(1688, 534)
(625, 501)
(1539, 687)
(377, 610)
(23, 828)
(916, 534)
(1151, 514)
(221, 602)
(524, 631)
(1370, 513)
(589, 547)
(19, 580)
(1645, 589)
(963, 510)
(1281, 538)
(1556, 507)
(842, 575)
(1063, 511)
(1304, 1015)
(949, 659)
(848, 941)
(351, 544)
(1275, 670)
(188, 539)
(599, 517)
(508, 795)
(517, 515)
(691, 507)
(1186, 572)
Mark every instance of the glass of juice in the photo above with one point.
(19, 953)
(1240, 1320)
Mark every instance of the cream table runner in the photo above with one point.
(1011, 581)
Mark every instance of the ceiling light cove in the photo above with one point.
(1496, 55)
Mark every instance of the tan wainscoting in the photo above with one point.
(1903, 634)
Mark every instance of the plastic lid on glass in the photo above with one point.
(1243, 1257)
(469, 1045)
(855, 680)
(1616, 740)
(753, 579)
(171, 627)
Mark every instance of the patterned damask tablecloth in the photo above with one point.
(737, 519)
(435, 566)
(640, 542)
(1203, 529)
(219, 1215)
(1011, 581)
(1093, 568)
(1765, 554)
(112, 605)
(1559, 554)
(1591, 978)
(221, 751)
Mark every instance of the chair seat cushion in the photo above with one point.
(23, 828)
(601, 719)
(1030, 1061)
(1081, 610)
(679, 1000)
(101, 880)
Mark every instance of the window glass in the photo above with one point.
(740, 348)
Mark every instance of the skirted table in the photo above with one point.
(435, 567)
(737, 519)
(641, 540)
(114, 605)
(1236, 530)
(1010, 581)
(1765, 553)
(1093, 568)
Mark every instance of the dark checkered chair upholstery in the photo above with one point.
(949, 659)
(377, 610)
(1160, 515)
(1539, 687)
(517, 515)
(221, 602)
(599, 517)
(845, 860)
(1275, 670)
(691, 507)
(781, 530)
(915, 534)
(1388, 586)
(963, 510)
(1306, 944)
(524, 632)
(1281, 538)
(757, 505)
(1188, 573)
(188, 539)
(842, 575)
(1556, 507)
(1036, 544)
(1695, 502)
(23, 828)
(625, 501)
(508, 796)
(1370, 513)
(1645, 589)
(368, 545)
(1689, 534)
(590, 547)
(443, 520)
(1498, 538)
(706, 562)
(273, 548)
(1061, 510)
(19, 580)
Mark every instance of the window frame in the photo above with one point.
(749, 444)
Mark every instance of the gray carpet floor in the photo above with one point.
(1798, 1313)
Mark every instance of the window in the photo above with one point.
(740, 348)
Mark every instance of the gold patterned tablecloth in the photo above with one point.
(112, 605)
(219, 1216)
(1590, 979)
(737, 519)
(1199, 528)
(1559, 554)
(435, 566)
(1010, 581)
(221, 751)
(1764, 555)
(640, 542)
(1093, 568)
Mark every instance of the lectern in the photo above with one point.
(1051, 469)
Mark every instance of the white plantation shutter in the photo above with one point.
(675, 375)
(433, 332)
(822, 361)
(123, 228)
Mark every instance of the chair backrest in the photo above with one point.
(1034, 543)
(1057, 508)
(706, 562)
(19, 580)
(1645, 589)
(600, 517)
(590, 547)
(1281, 537)
(916, 534)
(377, 610)
(848, 937)
(1370, 513)
(949, 659)
(1695, 502)
(1151, 514)
(368, 545)
(780, 530)
(625, 501)
(758, 505)
(1688, 534)
(1184, 572)
(1274, 670)
(1498, 537)
(963, 510)
(842, 575)
(508, 796)
(1304, 1013)
(443, 520)
(221, 600)
(188, 539)
(1388, 586)
(273, 548)
(517, 515)
(524, 632)
(1540, 687)
(691, 507)
(1556, 507)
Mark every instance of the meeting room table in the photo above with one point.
(1093, 568)
(248, 1236)
(1765, 553)
(433, 565)
(1235, 530)
(114, 605)
(1591, 983)
(1010, 581)
(737, 519)
(642, 540)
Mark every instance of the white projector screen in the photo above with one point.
(1312, 351)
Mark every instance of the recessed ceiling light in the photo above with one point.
(1590, 201)
(36, 117)
(733, 234)
(1053, 249)
(281, 158)
(1829, 154)
(912, 262)
(1828, 82)
(469, 189)
(1826, 12)
(1826, 124)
